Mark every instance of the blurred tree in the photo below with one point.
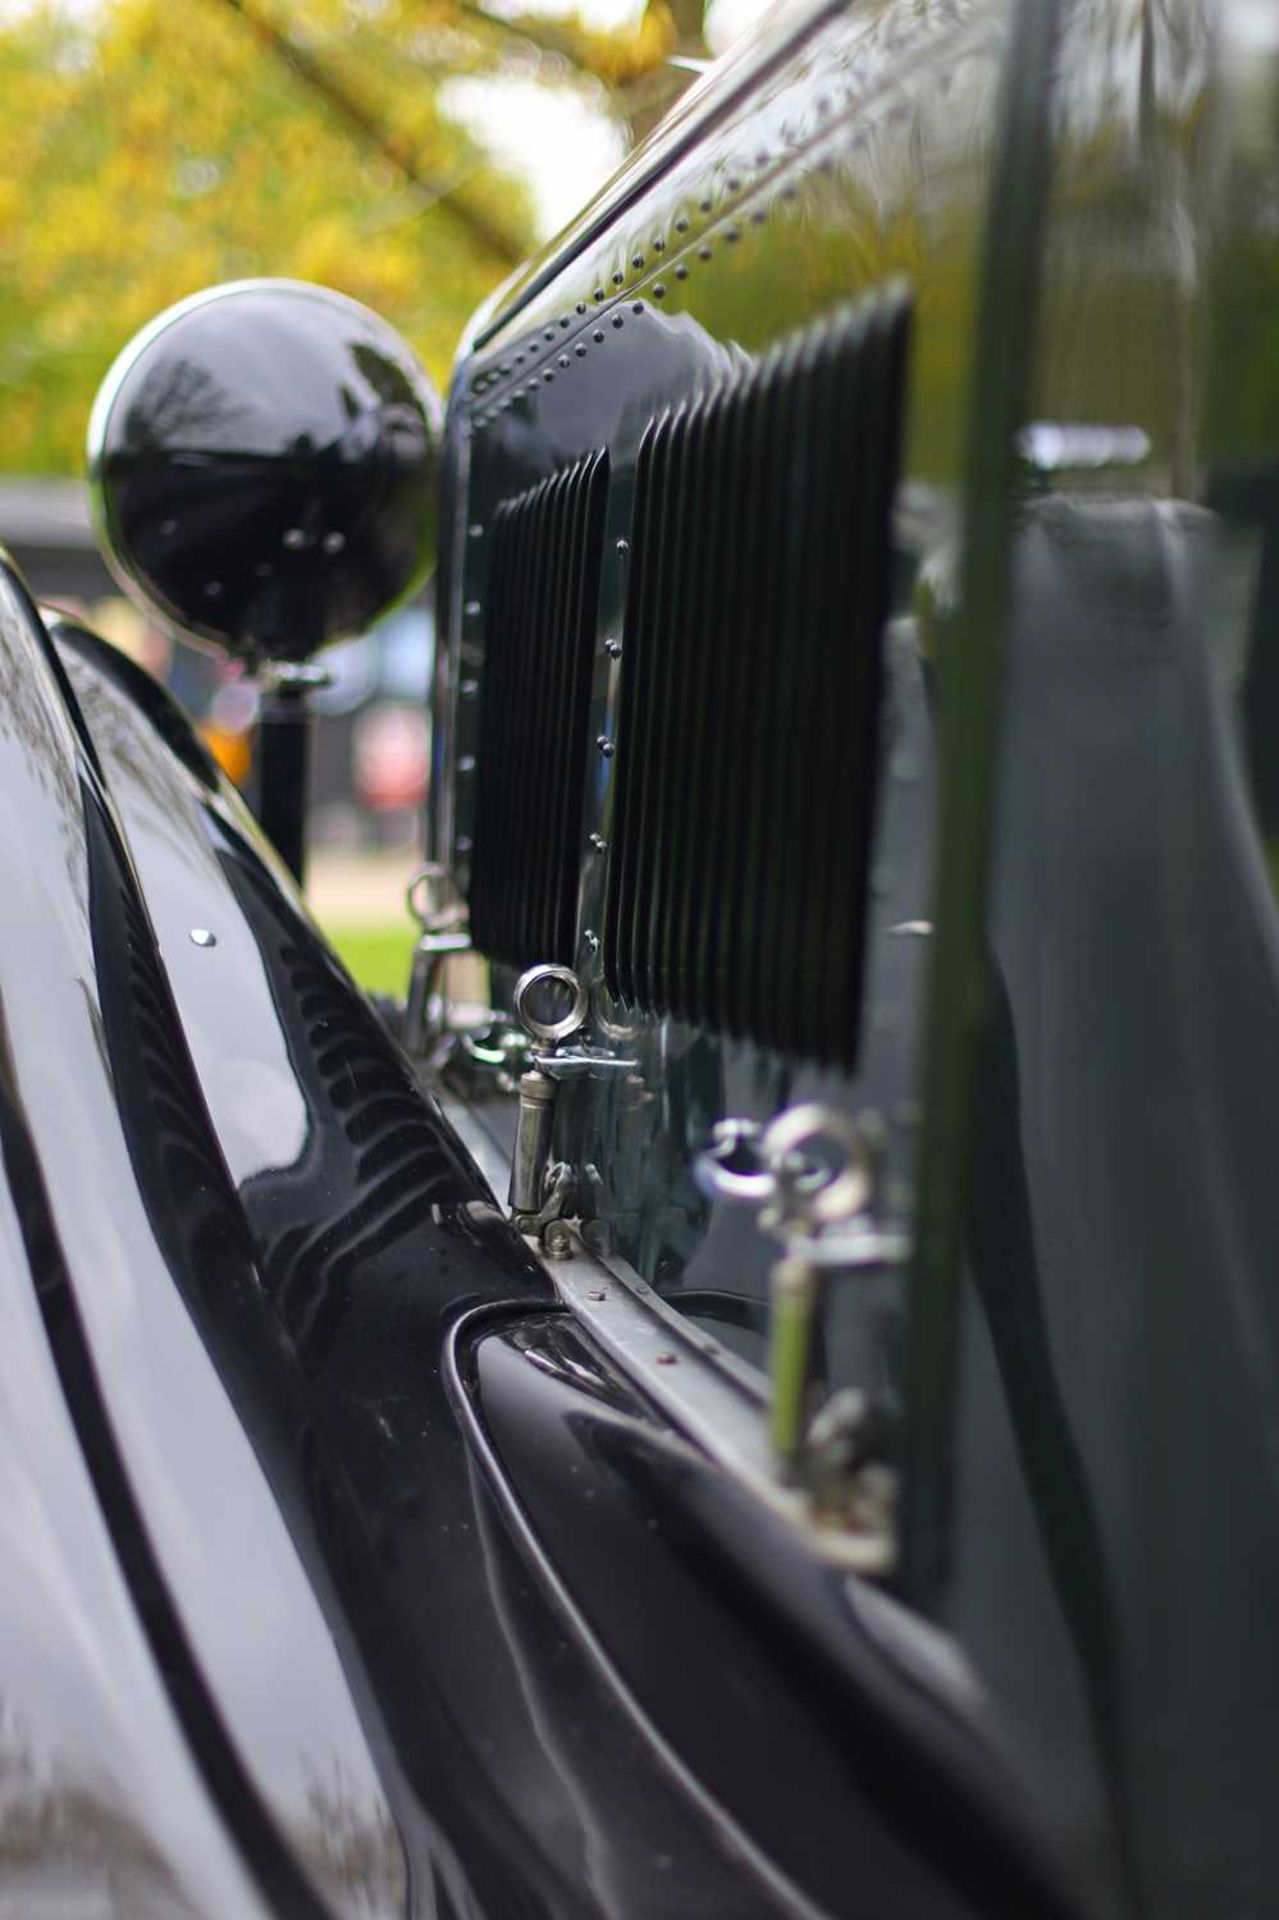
(149, 150)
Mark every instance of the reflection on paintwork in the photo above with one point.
(861, 158)
(98, 1795)
(236, 504)
(262, 1118)
(1118, 1476)
(70, 994)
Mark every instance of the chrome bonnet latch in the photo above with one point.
(551, 1004)
(816, 1177)
(433, 903)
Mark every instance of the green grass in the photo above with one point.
(377, 952)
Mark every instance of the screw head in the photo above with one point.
(605, 745)
(613, 648)
(666, 1359)
(203, 937)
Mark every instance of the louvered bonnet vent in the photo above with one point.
(542, 596)
(751, 670)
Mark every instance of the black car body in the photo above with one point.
(843, 1482)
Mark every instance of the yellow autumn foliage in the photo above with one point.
(148, 149)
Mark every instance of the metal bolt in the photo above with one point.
(638, 307)
(681, 271)
(605, 745)
(591, 941)
(580, 351)
(681, 225)
(475, 530)
(598, 336)
(471, 609)
(659, 245)
(599, 843)
(596, 1293)
(703, 252)
(637, 261)
(613, 648)
(618, 278)
(333, 542)
(564, 361)
(618, 320)
(469, 689)
(623, 546)
(467, 763)
(557, 1241)
(666, 1359)
(526, 1223)
(659, 291)
(202, 937)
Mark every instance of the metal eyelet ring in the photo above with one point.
(720, 1181)
(819, 1189)
(549, 1032)
(418, 898)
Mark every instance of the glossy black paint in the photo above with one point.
(577, 1672)
(1084, 200)
(873, 1732)
(174, 1787)
(543, 1749)
(264, 462)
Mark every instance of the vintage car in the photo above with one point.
(774, 1408)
